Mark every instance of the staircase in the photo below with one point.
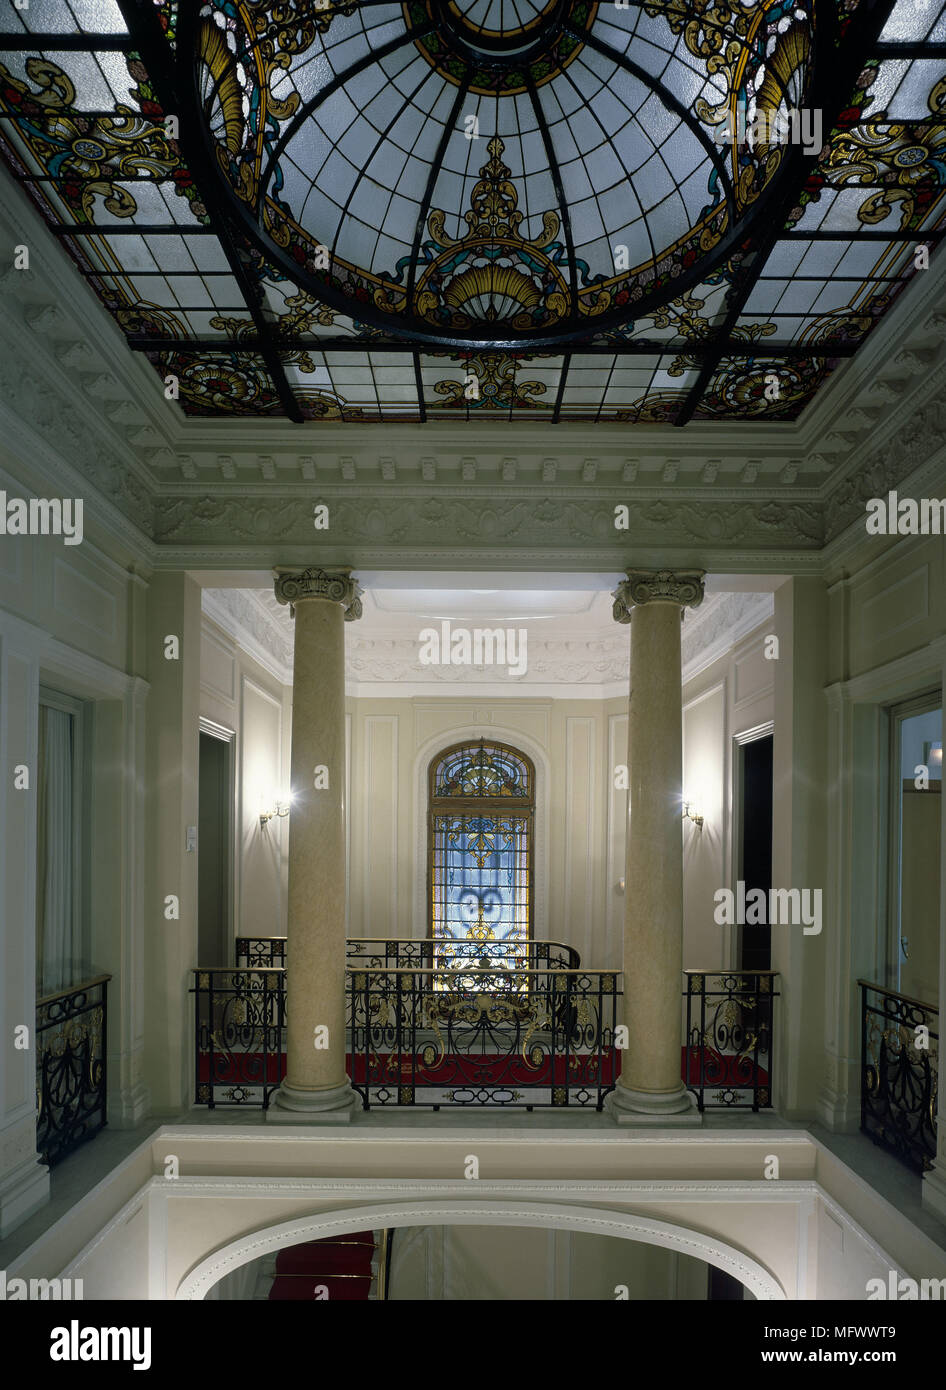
(352, 1268)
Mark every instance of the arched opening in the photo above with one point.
(754, 1276)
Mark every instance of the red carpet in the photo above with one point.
(339, 1267)
(726, 1070)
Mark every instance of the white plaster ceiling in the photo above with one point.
(575, 648)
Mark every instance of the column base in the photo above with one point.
(628, 1107)
(332, 1106)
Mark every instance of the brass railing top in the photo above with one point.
(413, 940)
(409, 970)
(895, 994)
(239, 969)
(722, 970)
(73, 989)
(476, 970)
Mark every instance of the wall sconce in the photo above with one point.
(281, 806)
(692, 813)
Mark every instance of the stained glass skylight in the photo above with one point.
(560, 210)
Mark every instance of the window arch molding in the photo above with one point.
(470, 733)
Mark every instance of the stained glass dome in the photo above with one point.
(500, 171)
(550, 210)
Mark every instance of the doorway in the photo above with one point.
(916, 783)
(214, 843)
(754, 841)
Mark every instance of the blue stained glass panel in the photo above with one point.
(480, 897)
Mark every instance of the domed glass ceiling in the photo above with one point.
(494, 171)
(546, 208)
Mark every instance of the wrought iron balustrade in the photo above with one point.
(70, 1067)
(261, 952)
(899, 1073)
(418, 1036)
(729, 1038)
(239, 1031)
(483, 1036)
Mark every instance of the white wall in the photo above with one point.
(392, 745)
(887, 644)
(241, 696)
(68, 615)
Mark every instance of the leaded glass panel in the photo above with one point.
(481, 828)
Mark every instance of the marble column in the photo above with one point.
(316, 1083)
(650, 1086)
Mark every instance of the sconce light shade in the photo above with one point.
(691, 812)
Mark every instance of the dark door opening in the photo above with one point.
(755, 942)
(213, 852)
(723, 1287)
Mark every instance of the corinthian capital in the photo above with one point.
(684, 587)
(333, 586)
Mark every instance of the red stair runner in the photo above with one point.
(339, 1266)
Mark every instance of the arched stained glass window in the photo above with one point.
(480, 839)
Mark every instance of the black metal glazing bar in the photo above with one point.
(556, 176)
(449, 129)
(419, 386)
(177, 93)
(831, 93)
(560, 393)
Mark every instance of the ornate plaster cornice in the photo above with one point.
(332, 586)
(683, 587)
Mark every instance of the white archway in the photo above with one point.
(377, 1216)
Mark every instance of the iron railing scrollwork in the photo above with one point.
(416, 1036)
(524, 1038)
(899, 1073)
(70, 1067)
(728, 1058)
(239, 1029)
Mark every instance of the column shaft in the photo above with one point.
(316, 1079)
(650, 1087)
(316, 934)
(653, 907)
